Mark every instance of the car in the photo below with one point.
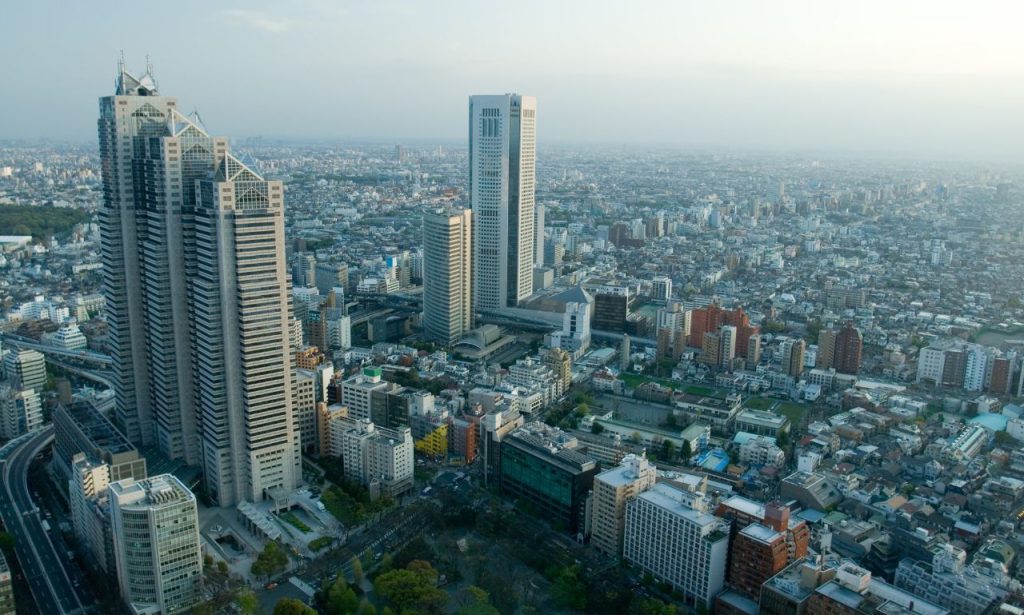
(271, 585)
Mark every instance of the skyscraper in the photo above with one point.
(146, 235)
(502, 133)
(197, 295)
(447, 292)
(243, 362)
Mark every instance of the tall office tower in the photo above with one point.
(826, 349)
(156, 544)
(612, 489)
(447, 291)
(848, 350)
(243, 363)
(151, 157)
(26, 369)
(502, 136)
(538, 235)
(127, 120)
(793, 357)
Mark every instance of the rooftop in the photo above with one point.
(97, 427)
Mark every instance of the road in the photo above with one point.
(56, 585)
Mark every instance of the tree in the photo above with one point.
(222, 567)
(412, 588)
(7, 542)
(270, 561)
(357, 571)
(204, 608)
(247, 603)
(668, 450)
(475, 601)
(291, 606)
(365, 608)
(596, 428)
(341, 599)
(687, 451)
(782, 439)
(567, 590)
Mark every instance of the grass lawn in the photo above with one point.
(758, 403)
(702, 391)
(296, 522)
(791, 411)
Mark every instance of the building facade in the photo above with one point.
(156, 544)
(447, 275)
(502, 141)
(669, 534)
(612, 489)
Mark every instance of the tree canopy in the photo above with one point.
(412, 589)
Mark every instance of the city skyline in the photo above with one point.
(915, 80)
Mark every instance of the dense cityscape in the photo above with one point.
(501, 376)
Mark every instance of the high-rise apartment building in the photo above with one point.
(447, 275)
(156, 544)
(196, 295)
(26, 369)
(793, 357)
(669, 534)
(612, 489)
(758, 553)
(661, 288)
(21, 411)
(848, 350)
(826, 349)
(502, 141)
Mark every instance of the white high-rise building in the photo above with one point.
(156, 544)
(669, 534)
(502, 140)
(26, 369)
(21, 411)
(661, 288)
(447, 273)
(977, 362)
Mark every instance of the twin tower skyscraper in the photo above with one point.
(491, 267)
(197, 296)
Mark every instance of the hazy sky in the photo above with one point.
(918, 77)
